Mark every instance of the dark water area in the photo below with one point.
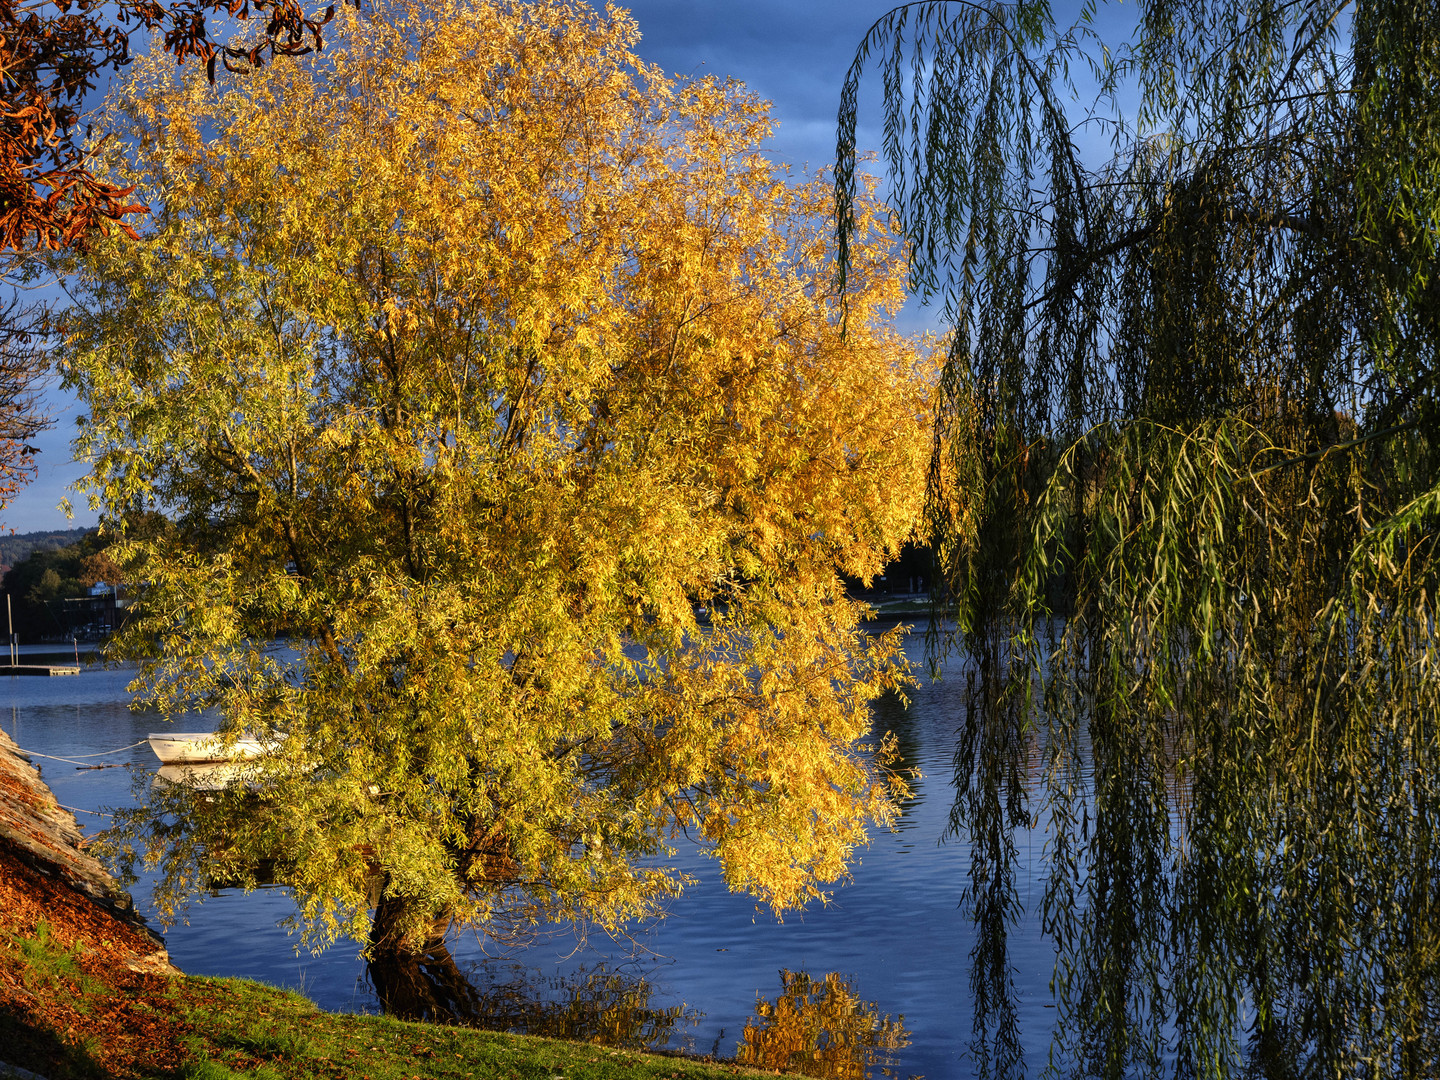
(877, 979)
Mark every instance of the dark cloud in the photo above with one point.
(794, 54)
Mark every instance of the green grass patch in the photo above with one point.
(49, 966)
(260, 1033)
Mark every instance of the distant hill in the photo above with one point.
(16, 548)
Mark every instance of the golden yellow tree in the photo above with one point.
(502, 379)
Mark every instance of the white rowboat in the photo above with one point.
(187, 748)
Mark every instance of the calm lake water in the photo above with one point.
(893, 943)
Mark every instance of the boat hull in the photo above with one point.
(191, 748)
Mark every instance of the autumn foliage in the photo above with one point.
(504, 379)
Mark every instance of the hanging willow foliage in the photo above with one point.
(1185, 493)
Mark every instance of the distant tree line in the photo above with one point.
(49, 573)
(15, 549)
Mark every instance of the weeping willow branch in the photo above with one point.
(1184, 493)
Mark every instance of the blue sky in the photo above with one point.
(793, 52)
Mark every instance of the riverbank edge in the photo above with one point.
(87, 991)
(93, 1020)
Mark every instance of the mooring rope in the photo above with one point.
(79, 759)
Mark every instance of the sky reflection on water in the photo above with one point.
(894, 938)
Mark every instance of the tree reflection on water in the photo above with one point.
(597, 1005)
(820, 1028)
(816, 1027)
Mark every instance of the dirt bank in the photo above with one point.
(84, 983)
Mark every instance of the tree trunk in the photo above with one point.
(416, 979)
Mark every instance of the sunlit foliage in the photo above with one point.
(502, 379)
(1184, 487)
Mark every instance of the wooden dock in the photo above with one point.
(39, 669)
